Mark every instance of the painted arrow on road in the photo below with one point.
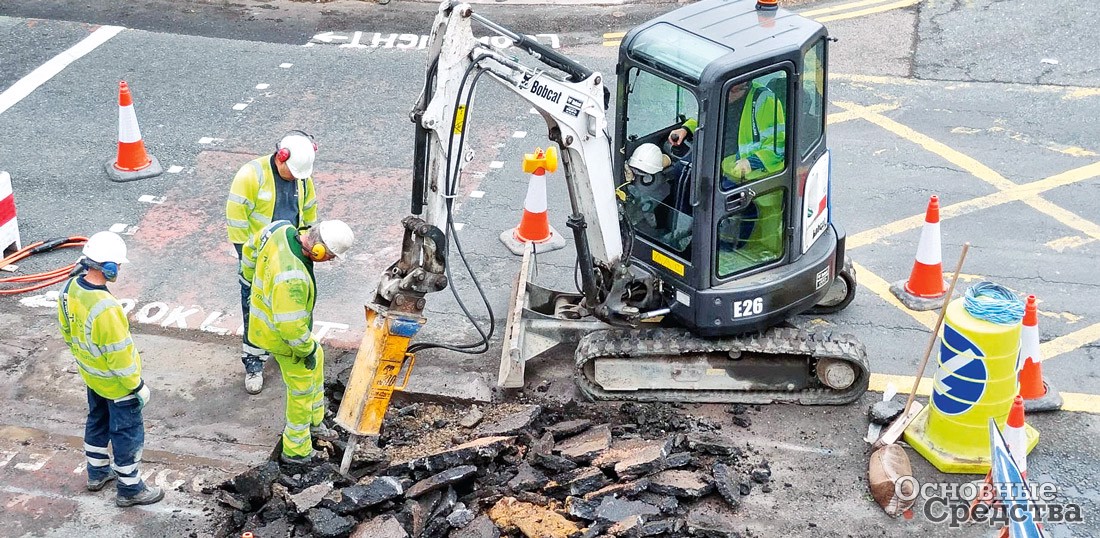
(329, 37)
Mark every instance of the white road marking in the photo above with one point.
(46, 71)
(477, 194)
(175, 169)
(262, 86)
(519, 134)
(496, 164)
(150, 199)
(240, 106)
(117, 228)
(37, 462)
(285, 65)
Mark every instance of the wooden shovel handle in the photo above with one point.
(935, 330)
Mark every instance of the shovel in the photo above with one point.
(912, 409)
(889, 462)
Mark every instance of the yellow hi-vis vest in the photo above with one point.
(98, 334)
(283, 292)
(252, 200)
(251, 249)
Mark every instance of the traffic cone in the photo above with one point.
(132, 161)
(1037, 394)
(1016, 438)
(926, 288)
(9, 224)
(534, 226)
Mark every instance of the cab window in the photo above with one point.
(754, 137)
(811, 96)
(656, 191)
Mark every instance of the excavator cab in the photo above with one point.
(737, 223)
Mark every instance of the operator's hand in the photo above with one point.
(677, 136)
(742, 168)
(143, 396)
(311, 362)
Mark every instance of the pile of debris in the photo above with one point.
(513, 470)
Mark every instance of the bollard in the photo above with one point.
(975, 381)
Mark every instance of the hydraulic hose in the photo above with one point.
(38, 281)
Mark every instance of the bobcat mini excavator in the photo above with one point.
(690, 269)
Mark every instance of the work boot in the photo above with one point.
(253, 374)
(149, 495)
(96, 485)
(321, 431)
(254, 382)
(297, 461)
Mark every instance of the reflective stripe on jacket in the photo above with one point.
(250, 249)
(761, 135)
(252, 200)
(283, 293)
(98, 334)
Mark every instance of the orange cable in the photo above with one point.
(44, 279)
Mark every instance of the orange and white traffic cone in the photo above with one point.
(132, 161)
(1037, 394)
(534, 226)
(1016, 438)
(926, 288)
(9, 225)
(1016, 435)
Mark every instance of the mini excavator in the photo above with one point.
(689, 269)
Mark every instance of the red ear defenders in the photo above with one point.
(282, 154)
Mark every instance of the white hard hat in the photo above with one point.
(106, 247)
(336, 236)
(301, 153)
(648, 158)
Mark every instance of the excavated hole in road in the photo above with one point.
(523, 468)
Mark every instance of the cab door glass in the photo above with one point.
(656, 197)
(752, 187)
(754, 133)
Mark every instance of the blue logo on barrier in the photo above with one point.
(961, 378)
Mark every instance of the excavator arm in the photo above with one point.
(573, 101)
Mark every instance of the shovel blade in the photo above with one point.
(893, 433)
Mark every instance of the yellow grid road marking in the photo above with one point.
(952, 155)
(613, 39)
(1008, 191)
(880, 287)
(869, 11)
(1071, 401)
(1070, 242)
(841, 117)
(841, 7)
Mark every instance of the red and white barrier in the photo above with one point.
(9, 226)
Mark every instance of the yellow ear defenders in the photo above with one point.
(319, 251)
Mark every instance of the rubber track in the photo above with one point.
(670, 341)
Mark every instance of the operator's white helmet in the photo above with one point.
(337, 237)
(648, 158)
(106, 247)
(301, 154)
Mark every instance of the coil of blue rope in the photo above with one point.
(994, 303)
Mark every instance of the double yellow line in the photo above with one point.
(849, 10)
(852, 10)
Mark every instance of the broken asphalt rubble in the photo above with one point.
(517, 470)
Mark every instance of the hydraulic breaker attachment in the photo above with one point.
(382, 358)
(393, 319)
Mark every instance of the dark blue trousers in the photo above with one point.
(120, 424)
(251, 356)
